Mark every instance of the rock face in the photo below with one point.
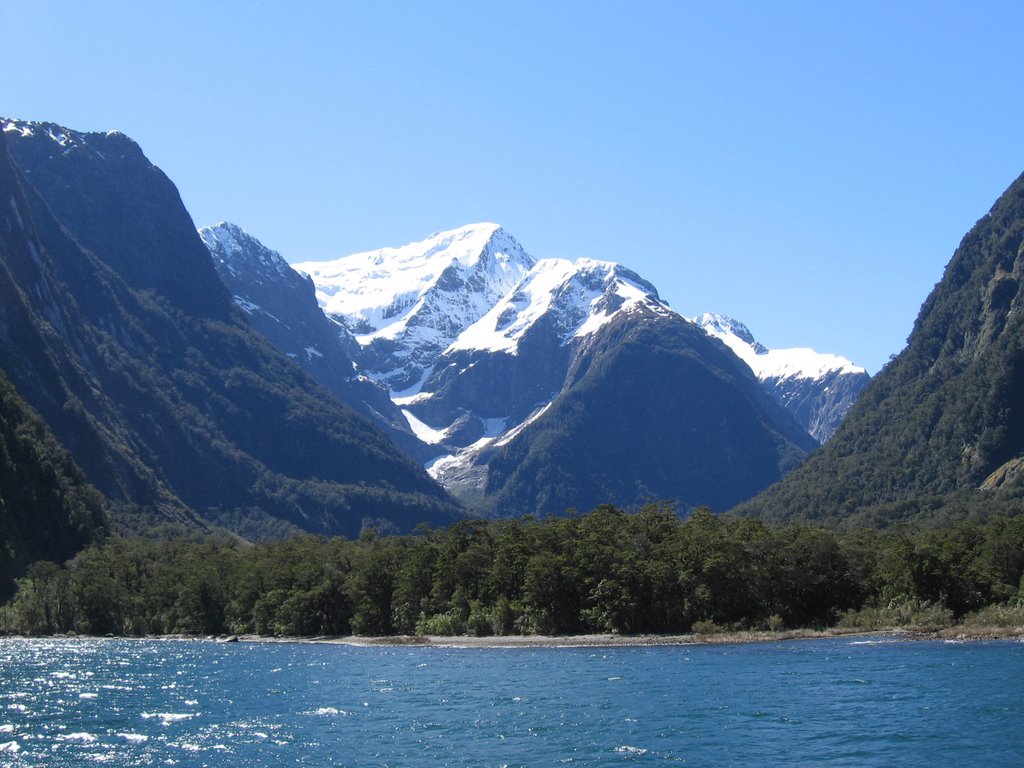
(515, 359)
(945, 415)
(116, 328)
(817, 389)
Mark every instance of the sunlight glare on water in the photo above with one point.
(838, 702)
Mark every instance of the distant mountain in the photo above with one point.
(492, 357)
(116, 328)
(281, 304)
(817, 389)
(406, 305)
(651, 409)
(945, 416)
(511, 363)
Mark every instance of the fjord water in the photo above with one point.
(838, 702)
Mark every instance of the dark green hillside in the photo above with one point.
(147, 372)
(947, 415)
(47, 510)
(653, 409)
(118, 205)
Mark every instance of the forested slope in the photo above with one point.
(946, 416)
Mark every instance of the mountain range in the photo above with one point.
(502, 365)
(158, 375)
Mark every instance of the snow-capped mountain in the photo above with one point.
(506, 368)
(535, 385)
(407, 305)
(482, 346)
(281, 304)
(817, 388)
(580, 296)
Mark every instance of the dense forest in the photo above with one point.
(605, 571)
(46, 507)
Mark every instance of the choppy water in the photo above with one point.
(808, 703)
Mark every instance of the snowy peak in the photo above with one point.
(378, 292)
(406, 305)
(797, 362)
(817, 389)
(235, 250)
(577, 297)
(723, 326)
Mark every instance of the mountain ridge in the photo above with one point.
(496, 372)
(153, 379)
(817, 388)
(943, 416)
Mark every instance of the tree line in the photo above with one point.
(604, 571)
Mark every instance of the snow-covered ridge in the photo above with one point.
(585, 295)
(796, 362)
(228, 243)
(405, 305)
(64, 138)
(380, 292)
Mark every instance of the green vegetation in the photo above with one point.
(606, 571)
(46, 507)
(665, 412)
(944, 417)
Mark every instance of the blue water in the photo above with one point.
(809, 703)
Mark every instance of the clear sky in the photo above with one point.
(808, 168)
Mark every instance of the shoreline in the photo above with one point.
(957, 634)
(951, 634)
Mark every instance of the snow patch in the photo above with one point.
(508, 436)
(424, 432)
(13, 127)
(796, 362)
(245, 305)
(17, 213)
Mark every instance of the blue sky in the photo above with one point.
(808, 168)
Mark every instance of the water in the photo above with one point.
(810, 703)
